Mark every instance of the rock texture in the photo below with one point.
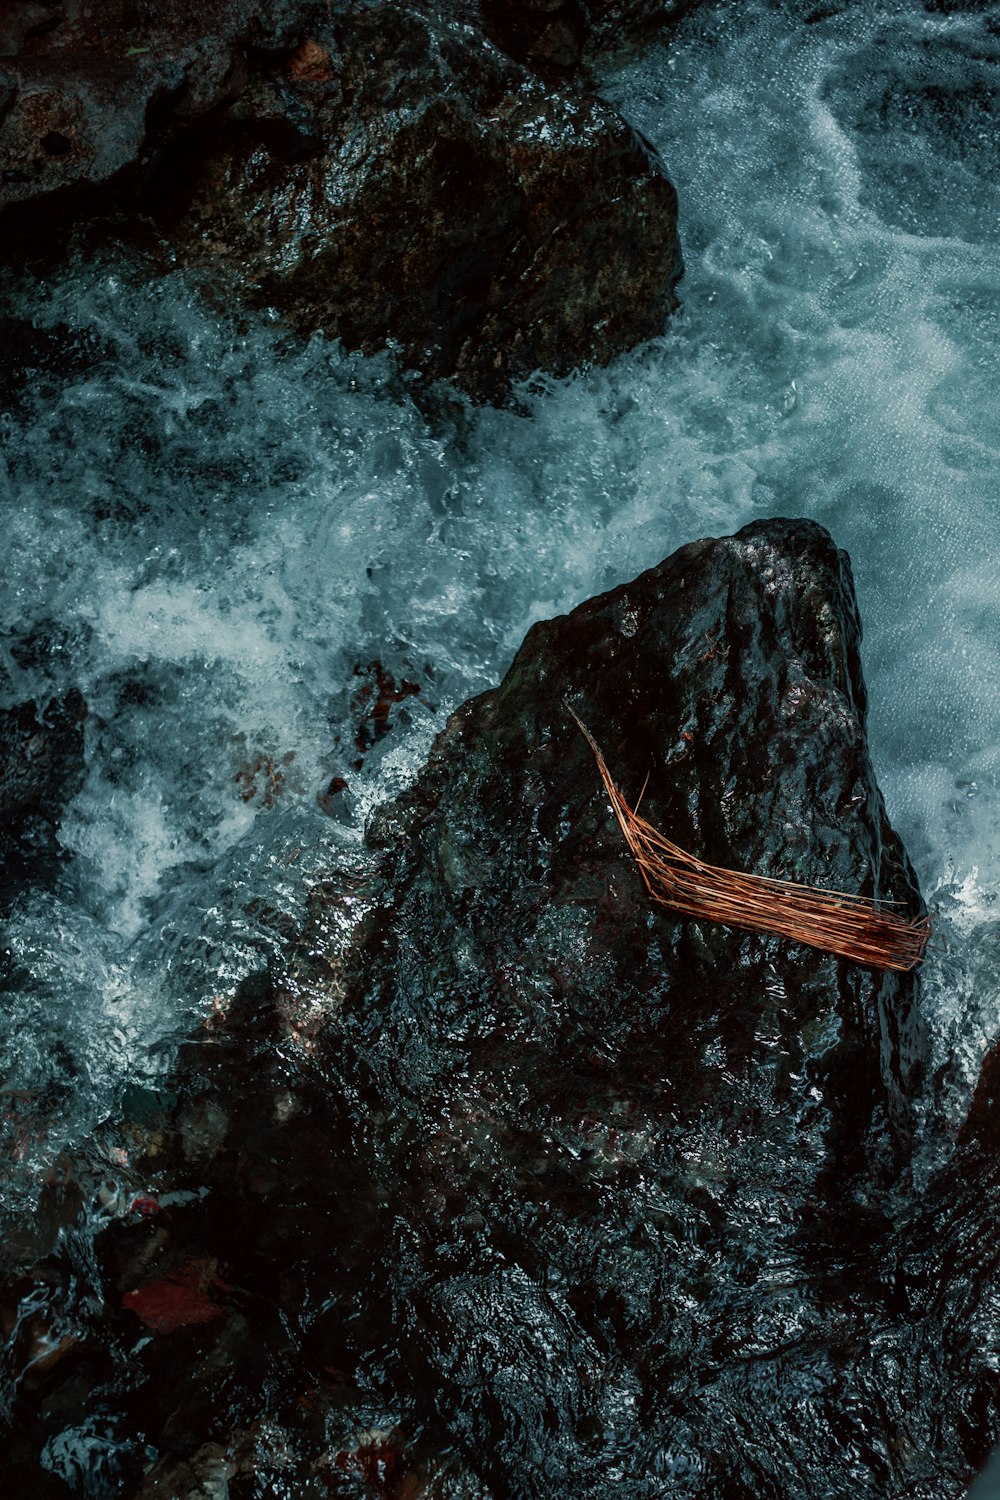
(560, 36)
(81, 85)
(430, 190)
(511, 1184)
(381, 172)
(39, 360)
(41, 767)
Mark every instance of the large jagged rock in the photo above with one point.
(85, 90)
(381, 172)
(594, 1195)
(430, 191)
(507, 1163)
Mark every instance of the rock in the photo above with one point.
(36, 361)
(41, 768)
(86, 90)
(561, 35)
(603, 1096)
(983, 1122)
(594, 1197)
(432, 193)
(981, 1128)
(80, 85)
(381, 172)
(727, 681)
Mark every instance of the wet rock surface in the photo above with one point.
(41, 767)
(511, 1184)
(79, 83)
(560, 36)
(39, 360)
(380, 172)
(430, 191)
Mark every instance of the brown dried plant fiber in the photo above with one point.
(852, 927)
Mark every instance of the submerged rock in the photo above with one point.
(381, 172)
(36, 360)
(516, 1180)
(983, 1123)
(41, 768)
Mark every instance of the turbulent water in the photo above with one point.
(230, 542)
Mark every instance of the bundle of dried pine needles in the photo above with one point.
(851, 926)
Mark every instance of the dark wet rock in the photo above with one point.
(558, 36)
(86, 90)
(35, 361)
(75, 89)
(727, 682)
(602, 1086)
(509, 1165)
(432, 193)
(982, 1124)
(381, 172)
(41, 768)
(84, 87)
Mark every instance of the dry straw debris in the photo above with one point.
(850, 926)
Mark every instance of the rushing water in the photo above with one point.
(215, 533)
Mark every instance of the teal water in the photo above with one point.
(221, 530)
